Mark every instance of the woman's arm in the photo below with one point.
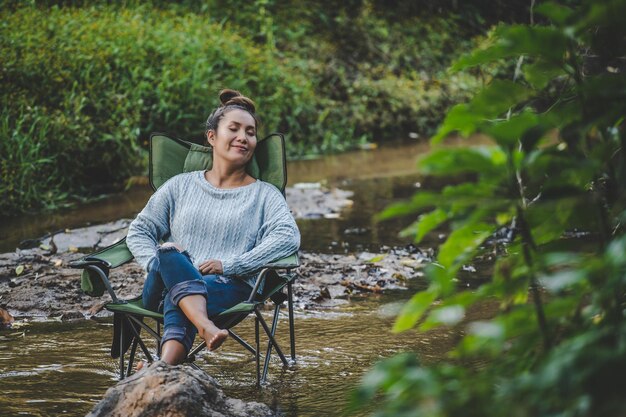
(151, 225)
(278, 237)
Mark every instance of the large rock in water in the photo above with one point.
(173, 391)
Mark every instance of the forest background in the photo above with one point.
(84, 83)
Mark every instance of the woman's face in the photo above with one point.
(235, 139)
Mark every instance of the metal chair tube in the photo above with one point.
(105, 281)
(131, 358)
(257, 350)
(136, 334)
(257, 284)
(292, 336)
(268, 332)
(268, 354)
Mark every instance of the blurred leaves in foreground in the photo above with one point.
(555, 182)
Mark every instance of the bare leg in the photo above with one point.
(194, 307)
(173, 352)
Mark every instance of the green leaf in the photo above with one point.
(377, 258)
(540, 73)
(414, 309)
(419, 200)
(563, 113)
(462, 243)
(489, 103)
(549, 219)
(460, 119)
(507, 133)
(444, 315)
(446, 162)
(549, 43)
(19, 269)
(555, 12)
(497, 98)
(532, 137)
(425, 224)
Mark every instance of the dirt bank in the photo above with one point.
(37, 282)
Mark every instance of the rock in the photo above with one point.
(173, 391)
(72, 315)
(6, 319)
(312, 201)
(87, 237)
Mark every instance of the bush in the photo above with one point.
(101, 76)
(100, 80)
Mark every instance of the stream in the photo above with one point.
(60, 368)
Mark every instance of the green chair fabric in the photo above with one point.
(171, 156)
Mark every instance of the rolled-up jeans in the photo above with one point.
(171, 277)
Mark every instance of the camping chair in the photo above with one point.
(170, 156)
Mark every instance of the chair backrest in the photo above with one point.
(170, 156)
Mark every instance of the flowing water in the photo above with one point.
(49, 369)
(55, 368)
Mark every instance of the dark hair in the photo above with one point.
(229, 100)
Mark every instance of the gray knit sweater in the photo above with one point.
(245, 227)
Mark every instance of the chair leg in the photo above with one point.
(122, 349)
(242, 342)
(145, 350)
(257, 351)
(158, 326)
(268, 332)
(268, 354)
(292, 335)
(131, 358)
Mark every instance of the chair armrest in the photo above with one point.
(95, 272)
(290, 262)
(87, 261)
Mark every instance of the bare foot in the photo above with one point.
(139, 366)
(217, 340)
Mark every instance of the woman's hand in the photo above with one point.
(212, 266)
(176, 245)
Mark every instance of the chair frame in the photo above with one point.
(132, 315)
(234, 316)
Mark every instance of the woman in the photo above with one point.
(220, 226)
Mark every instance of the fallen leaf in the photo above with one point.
(377, 258)
(19, 269)
(73, 249)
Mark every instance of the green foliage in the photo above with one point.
(99, 81)
(555, 180)
(101, 76)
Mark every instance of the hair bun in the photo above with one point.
(227, 94)
(230, 97)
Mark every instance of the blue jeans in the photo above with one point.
(171, 277)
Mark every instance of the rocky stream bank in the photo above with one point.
(37, 283)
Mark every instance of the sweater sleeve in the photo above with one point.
(151, 225)
(278, 237)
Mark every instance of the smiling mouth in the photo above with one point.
(241, 148)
